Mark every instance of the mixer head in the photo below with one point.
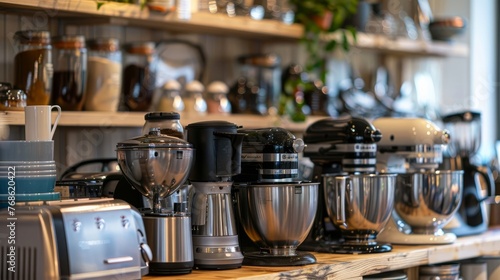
(269, 155)
(410, 144)
(349, 143)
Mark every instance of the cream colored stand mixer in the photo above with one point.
(426, 198)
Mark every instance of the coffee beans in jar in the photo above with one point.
(33, 69)
(70, 72)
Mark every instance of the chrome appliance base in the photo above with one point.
(392, 234)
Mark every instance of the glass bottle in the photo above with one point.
(104, 76)
(168, 123)
(139, 75)
(33, 69)
(70, 72)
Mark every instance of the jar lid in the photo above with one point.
(146, 48)
(172, 85)
(154, 139)
(217, 87)
(69, 41)
(160, 116)
(104, 44)
(35, 37)
(195, 86)
(390, 275)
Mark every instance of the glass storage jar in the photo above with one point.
(139, 75)
(217, 101)
(70, 72)
(104, 65)
(171, 99)
(168, 123)
(33, 69)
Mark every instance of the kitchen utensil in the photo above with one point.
(275, 211)
(336, 145)
(57, 237)
(428, 200)
(425, 195)
(360, 206)
(38, 122)
(478, 183)
(217, 159)
(277, 217)
(157, 165)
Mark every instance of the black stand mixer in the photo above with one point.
(344, 150)
(472, 216)
(275, 210)
(217, 159)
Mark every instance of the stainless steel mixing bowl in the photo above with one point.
(359, 205)
(156, 165)
(427, 201)
(278, 217)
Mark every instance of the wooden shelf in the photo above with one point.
(136, 119)
(340, 266)
(86, 12)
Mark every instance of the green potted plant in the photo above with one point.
(320, 17)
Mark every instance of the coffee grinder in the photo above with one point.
(275, 211)
(345, 145)
(157, 165)
(426, 197)
(217, 159)
(472, 217)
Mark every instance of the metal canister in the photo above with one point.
(445, 271)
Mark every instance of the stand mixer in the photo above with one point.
(344, 154)
(275, 210)
(157, 165)
(217, 159)
(426, 198)
(472, 216)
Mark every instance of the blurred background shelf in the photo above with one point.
(136, 119)
(214, 24)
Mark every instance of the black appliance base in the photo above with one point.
(217, 266)
(265, 259)
(360, 249)
(157, 268)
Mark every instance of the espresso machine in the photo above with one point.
(157, 165)
(344, 152)
(426, 197)
(217, 159)
(472, 216)
(275, 211)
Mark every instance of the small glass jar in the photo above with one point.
(33, 69)
(104, 65)
(194, 103)
(217, 100)
(168, 123)
(12, 100)
(139, 75)
(171, 99)
(70, 72)
(446, 271)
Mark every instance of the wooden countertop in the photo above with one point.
(345, 266)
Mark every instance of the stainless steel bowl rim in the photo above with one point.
(286, 184)
(359, 175)
(177, 147)
(436, 172)
(153, 140)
